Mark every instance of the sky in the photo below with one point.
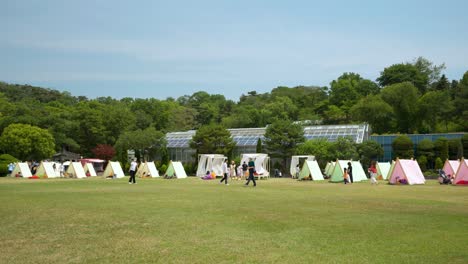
(160, 49)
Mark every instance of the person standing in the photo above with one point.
(350, 172)
(232, 169)
(244, 169)
(225, 173)
(133, 168)
(373, 173)
(11, 167)
(345, 176)
(251, 173)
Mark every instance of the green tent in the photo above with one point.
(311, 169)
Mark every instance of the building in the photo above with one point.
(386, 141)
(246, 138)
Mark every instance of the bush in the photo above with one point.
(162, 169)
(439, 164)
(422, 161)
(431, 174)
(6, 159)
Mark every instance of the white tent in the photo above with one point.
(147, 169)
(406, 169)
(311, 169)
(383, 169)
(261, 163)
(175, 170)
(337, 172)
(47, 170)
(451, 167)
(210, 162)
(113, 168)
(295, 160)
(89, 168)
(21, 169)
(75, 170)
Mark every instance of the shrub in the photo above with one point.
(6, 159)
(439, 164)
(422, 161)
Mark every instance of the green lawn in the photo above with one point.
(195, 221)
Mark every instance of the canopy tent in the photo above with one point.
(329, 168)
(338, 169)
(211, 163)
(47, 170)
(461, 177)
(147, 169)
(175, 170)
(383, 169)
(75, 170)
(311, 169)
(262, 164)
(408, 170)
(113, 168)
(89, 169)
(21, 170)
(295, 160)
(451, 167)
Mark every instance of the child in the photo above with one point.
(345, 176)
(373, 173)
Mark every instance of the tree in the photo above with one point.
(455, 148)
(402, 147)
(426, 148)
(464, 140)
(369, 150)
(282, 138)
(428, 69)
(400, 73)
(212, 139)
(375, 111)
(321, 148)
(345, 148)
(259, 148)
(402, 97)
(103, 151)
(146, 143)
(422, 161)
(27, 142)
(441, 148)
(434, 107)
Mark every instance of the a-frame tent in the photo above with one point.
(89, 169)
(383, 169)
(461, 177)
(113, 168)
(211, 163)
(47, 170)
(406, 169)
(329, 168)
(75, 170)
(311, 169)
(22, 170)
(175, 170)
(147, 169)
(451, 167)
(338, 169)
(295, 160)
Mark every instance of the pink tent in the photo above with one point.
(461, 177)
(451, 167)
(406, 171)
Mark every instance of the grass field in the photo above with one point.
(195, 221)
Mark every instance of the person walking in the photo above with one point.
(350, 172)
(373, 173)
(133, 168)
(251, 173)
(345, 176)
(225, 173)
(245, 167)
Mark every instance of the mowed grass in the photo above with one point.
(195, 221)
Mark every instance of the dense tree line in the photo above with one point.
(410, 97)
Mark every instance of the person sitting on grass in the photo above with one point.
(401, 181)
(207, 176)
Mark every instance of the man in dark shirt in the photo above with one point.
(251, 173)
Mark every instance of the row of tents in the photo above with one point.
(112, 170)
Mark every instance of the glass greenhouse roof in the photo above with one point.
(250, 136)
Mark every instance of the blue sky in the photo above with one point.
(171, 48)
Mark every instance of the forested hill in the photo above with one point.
(406, 98)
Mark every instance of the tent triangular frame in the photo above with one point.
(311, 169)
(175, 170)
(147, 169)
(46, 170)
(113, 168)
(89, 168)
(462, 172)
(23, 168)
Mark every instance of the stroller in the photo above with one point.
(443, 178)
